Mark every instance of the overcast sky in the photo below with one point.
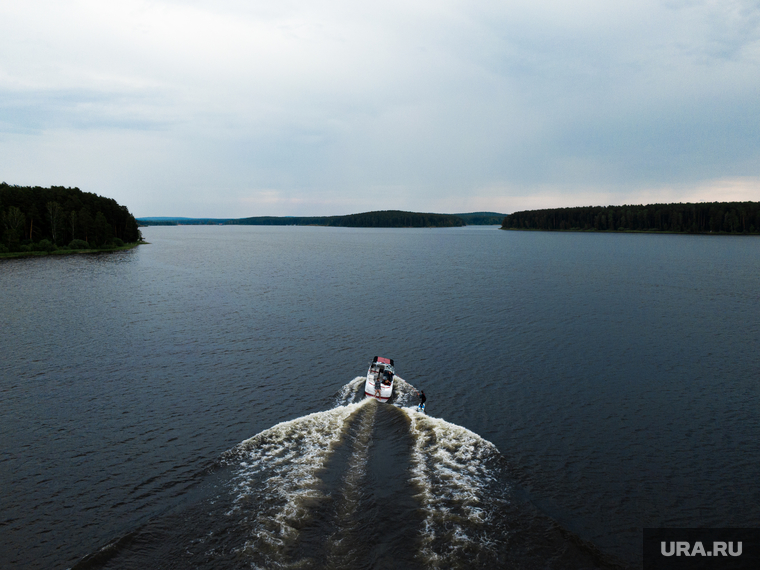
(292, 107)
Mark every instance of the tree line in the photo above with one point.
(380, 219)
(699, 218)
(481, 218)
(49, 218)
(397, 219)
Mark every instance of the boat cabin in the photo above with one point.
(379, 382)
(383, 367)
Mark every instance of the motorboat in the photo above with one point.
(379, 384)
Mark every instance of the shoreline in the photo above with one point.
(595, 231)
(22, 254)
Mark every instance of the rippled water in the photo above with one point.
(194, 402)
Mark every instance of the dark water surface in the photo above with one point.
(581, 387)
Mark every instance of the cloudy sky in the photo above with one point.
(238, 108)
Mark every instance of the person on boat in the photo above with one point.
(377, 385)
(388, 376)
(421, 405)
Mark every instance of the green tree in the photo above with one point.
(13, 222)
(85, 223)
(32, 201)
(73, 223)
(55, 216)
(102, 229)
(33, 215)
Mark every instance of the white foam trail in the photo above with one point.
(404, 394)
(278, 481)
(450, 470)
(278, 476)
(354, 390)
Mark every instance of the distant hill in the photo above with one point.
(379, 219)
(182, 221)
(482, 218)
(703, 217)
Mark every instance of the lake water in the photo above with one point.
(196, 402)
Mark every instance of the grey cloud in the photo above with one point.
(335, 101)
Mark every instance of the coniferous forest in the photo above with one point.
(46, 219)
(699, 218)
(380, 219)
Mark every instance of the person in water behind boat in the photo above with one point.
(421, 405)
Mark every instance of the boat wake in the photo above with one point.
(362, 485)
(374, 485)
(453, 468)
(278, 482)
(291, 475)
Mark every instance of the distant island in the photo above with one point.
(698, 218)
(380, 219)
(57, 220)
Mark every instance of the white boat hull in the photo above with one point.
(369, 389)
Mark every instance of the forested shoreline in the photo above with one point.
(377, 219)
(380, 219)
(35, 219)
(695, 218)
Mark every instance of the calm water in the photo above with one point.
(580, 387)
